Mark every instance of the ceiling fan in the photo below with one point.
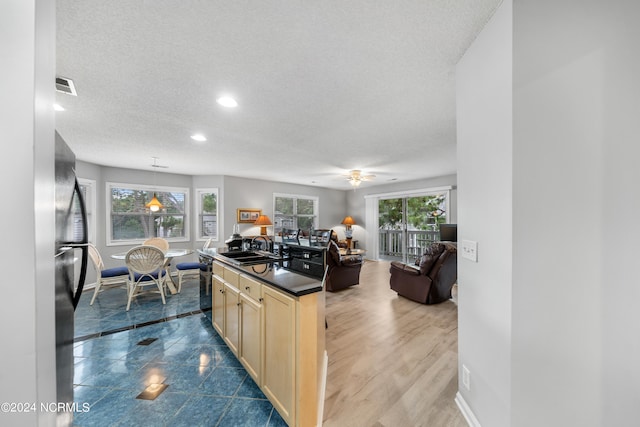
(156, 165)
(356, 178)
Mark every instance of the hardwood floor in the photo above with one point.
(392, 362)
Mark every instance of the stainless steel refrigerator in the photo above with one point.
(71, 247)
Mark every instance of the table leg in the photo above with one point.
(168, 279)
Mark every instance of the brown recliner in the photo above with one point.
(431, 281)
(342, 272)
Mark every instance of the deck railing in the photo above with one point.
(390, 242)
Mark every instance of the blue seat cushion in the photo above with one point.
(146, 277)
(113, 272)
(189, 266)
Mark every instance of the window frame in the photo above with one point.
(316, 208)
(109, 185)
(198, 213)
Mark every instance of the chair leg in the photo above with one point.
(130, 288)
(160, 283)
(95, 291)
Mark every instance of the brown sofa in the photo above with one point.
(342, 272)
(430, 281)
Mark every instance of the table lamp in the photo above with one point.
(263, 221)
(348, 222)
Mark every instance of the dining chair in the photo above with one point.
(106, 278)
(158, 242)
(191, 269)
(146, 266)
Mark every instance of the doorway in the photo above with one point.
(406, 225)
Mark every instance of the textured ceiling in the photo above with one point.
(323, 86)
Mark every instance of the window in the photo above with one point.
(207, 213)
(129, 222)
(88, 190)
(294, 212)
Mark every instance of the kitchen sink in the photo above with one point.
(249, 257)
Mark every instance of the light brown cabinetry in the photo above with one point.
(279, 361)
(232, 317)
(278, 338)
(251, 326)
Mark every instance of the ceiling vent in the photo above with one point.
(65, 85)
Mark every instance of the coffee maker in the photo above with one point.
(234, 243)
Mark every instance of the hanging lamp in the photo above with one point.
(154, 205)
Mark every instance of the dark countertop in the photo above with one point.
(275, 274)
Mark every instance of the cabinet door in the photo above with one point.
(231, 317)
(217, 306)
(278, 369)
(250, 321)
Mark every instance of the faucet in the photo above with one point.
(266, 241)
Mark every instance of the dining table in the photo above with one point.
(168, 257)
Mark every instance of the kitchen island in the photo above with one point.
(273, 320)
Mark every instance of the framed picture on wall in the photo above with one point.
(246, 215)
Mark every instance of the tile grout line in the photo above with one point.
(136, 326)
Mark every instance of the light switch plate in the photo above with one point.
(470, 250)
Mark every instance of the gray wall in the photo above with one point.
(485, 209)
(234, 192)
(551, 338)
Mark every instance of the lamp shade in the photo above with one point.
(154, 204)
(348, 221)
(263, 221)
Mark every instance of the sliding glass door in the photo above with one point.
(406, 225)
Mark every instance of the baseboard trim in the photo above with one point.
(466, 411)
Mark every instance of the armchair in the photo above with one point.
(342, 271)
(431, 281)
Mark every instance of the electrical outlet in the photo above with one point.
(470, 250)
(466, 378)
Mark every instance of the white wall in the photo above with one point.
(568, 354)
(27, 49)
(575, 321)
(484, 215)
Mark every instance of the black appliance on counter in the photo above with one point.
(234, 243)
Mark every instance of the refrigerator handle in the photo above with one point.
(83, 246)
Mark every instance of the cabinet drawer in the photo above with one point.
(307, 267)
(313, 256)
(231, 276)
(250, 288)
(217, 269)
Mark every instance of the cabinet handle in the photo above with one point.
(247, 288)
(221, 291)
(238, 304)
(260, 299)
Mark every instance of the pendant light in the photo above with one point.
(154, 205)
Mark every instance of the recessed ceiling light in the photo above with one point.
(198, 137)
(58, 107)
(227, 101)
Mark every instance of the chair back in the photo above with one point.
(144, 259)
(96, 258)
(158, 242)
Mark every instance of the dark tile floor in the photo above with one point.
(206, 385)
